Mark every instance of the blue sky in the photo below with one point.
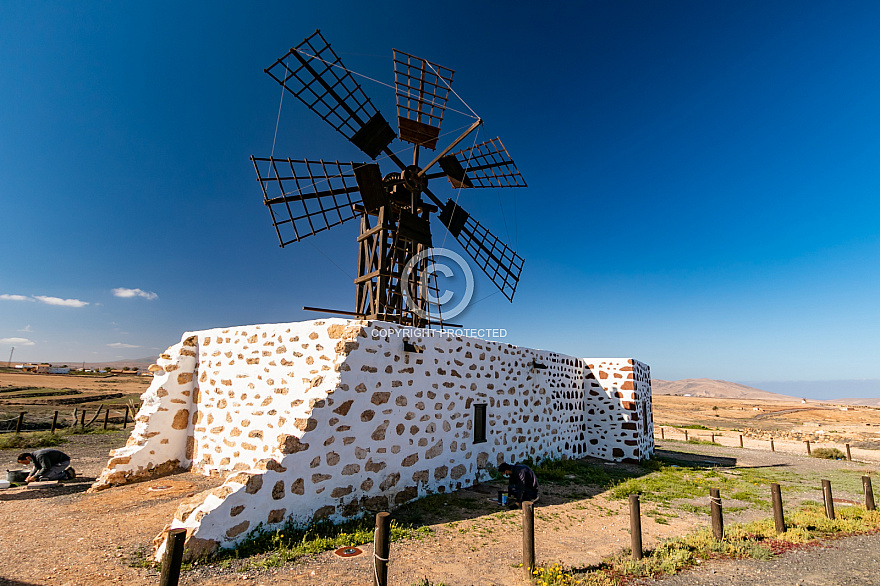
(702, 176)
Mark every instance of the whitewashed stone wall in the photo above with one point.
(332, 418)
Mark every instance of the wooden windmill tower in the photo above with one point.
(309, 196)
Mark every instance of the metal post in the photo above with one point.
(125, 418)
(635, 526)
(829, 499)
(778, 516)
(381, 549)
(869, 493)
(172, 558)
(54, 422)
(809, 452)
(19, 422)
(528, 549)
(717, 517)
(848, 454)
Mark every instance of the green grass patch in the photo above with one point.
(26, 392)
(271, 549)
(566, 472)
(673, 480)
(46, 439)
(700, 442)
(755, 540)
(39, 439)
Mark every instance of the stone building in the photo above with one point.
(333, 418)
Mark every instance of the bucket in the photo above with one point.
(16, 475)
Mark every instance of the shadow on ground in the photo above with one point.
(561, 481)
(81, 484)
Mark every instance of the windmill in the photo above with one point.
(394, 245)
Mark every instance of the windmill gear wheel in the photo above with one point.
(411, 179)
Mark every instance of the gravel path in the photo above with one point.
(851, 560)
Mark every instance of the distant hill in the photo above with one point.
(868, 402)
(717, 389)
(141, 363)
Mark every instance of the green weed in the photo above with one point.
(39, 439)
(755, 540)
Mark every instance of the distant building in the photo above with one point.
(59, 370)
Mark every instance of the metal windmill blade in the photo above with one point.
(314, 73)
(500, 262)
(307, 197)
(422, 90)
(487, 164)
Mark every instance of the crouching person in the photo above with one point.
(522, 484)
(48, 464)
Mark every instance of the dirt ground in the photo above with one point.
(103, 538)
(94, 538)
(781, 416)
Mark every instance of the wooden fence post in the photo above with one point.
(848, 453)
(662, 434)
(19, 422)
(82, 419)
(635, 526)
(869, 493)
(125, 418)
(809, 452)
(829, 499)
(740, 440)
(685, 435)
(381, 549)
(717, 517)
(172, 558)
(106, 416)
(528, 537)
(772, 447)
(713, 438)
(54, 422)
(778, 516)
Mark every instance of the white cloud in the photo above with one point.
(121, 345)
(62, 302)
(123, 292)
(18, 341)
(8, 297)
(27, 328)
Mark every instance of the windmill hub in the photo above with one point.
(411, 179)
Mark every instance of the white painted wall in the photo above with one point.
(331, 418)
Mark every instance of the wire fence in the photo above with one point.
(82, 418)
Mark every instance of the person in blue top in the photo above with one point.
(48, 464)
(522, 484)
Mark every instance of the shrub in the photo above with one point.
(828, 454)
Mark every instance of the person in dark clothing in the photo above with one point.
(48, 464)
(522, 484)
